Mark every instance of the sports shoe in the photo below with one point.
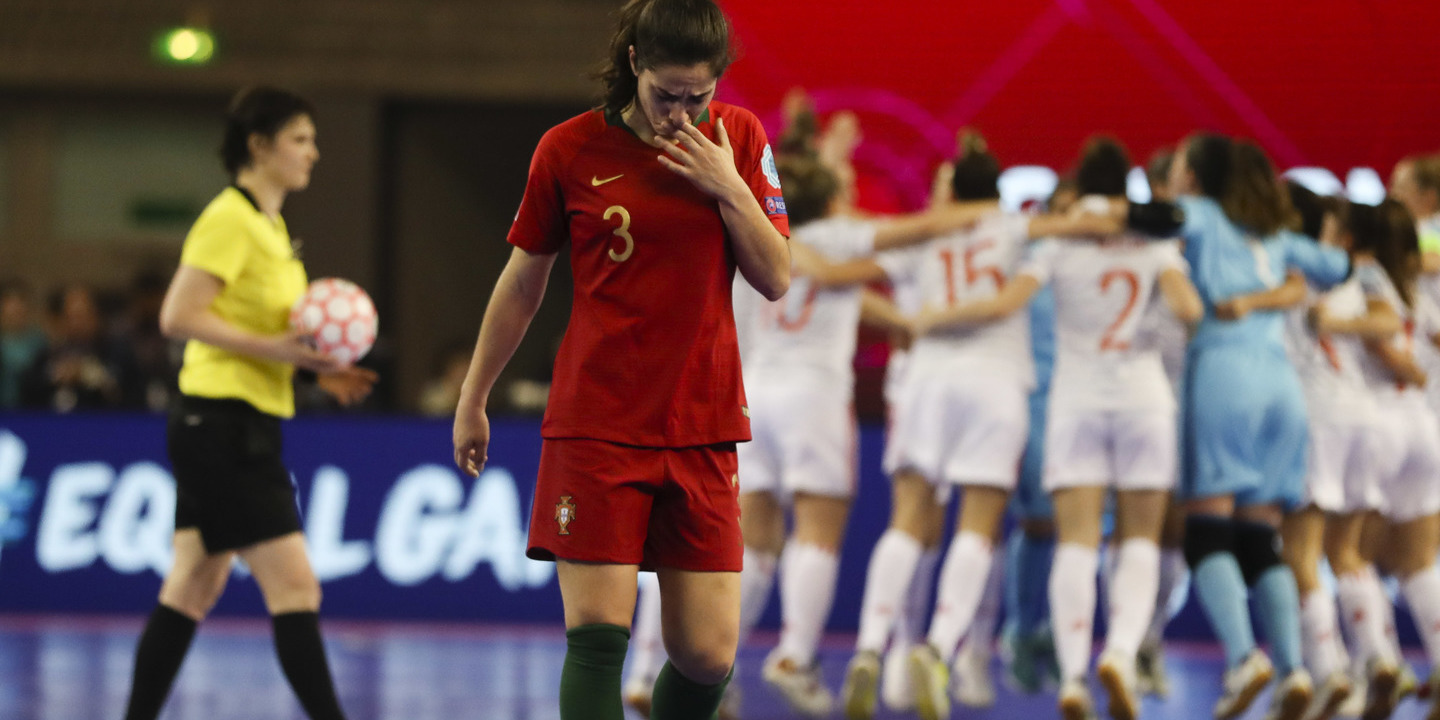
(1291, 697)
(971, 685)
(1380, 697)
(1408, 684)
(803, 687)
(1242, 683)
(1150, 677)
(637, 694)
(730, 703)
(930, 677)
(1433, 686)
(1355, 704)
(861, 678)
(1117, 675)
(895, 689)
(1075, 701)
(1329, 697)
(1029, 659)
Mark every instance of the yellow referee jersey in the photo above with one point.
(252, 254)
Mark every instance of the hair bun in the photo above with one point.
(971, 142)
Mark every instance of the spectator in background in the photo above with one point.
(157, 358)
(81, 368)
(21, 339)
(441, 393)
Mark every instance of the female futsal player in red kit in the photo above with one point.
(662, 195)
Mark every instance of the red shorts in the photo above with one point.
(600, 502)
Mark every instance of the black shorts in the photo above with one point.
(230, 481)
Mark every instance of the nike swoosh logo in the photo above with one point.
(597, 182)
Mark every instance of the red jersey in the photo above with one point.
(650, 356)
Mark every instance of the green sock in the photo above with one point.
(677, 697)
(590, 679)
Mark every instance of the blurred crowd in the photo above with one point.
(80, 349)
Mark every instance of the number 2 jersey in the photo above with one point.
(650, 356)
(1101, 291)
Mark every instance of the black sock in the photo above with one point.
(590, 679)
(302, 657)
(158, 656)
(677, 697)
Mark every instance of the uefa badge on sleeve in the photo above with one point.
(564, 513)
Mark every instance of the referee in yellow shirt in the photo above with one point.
(231, 300)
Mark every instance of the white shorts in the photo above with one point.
(1342, 476)
(1123, 449)
(1408, 458)
(804, 440)
(960, 428)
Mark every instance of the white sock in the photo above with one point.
(756, 579)
(980, 639)
(1137, 577)
(1361, 601)
(647, 649)
(1422, 594)
(1072, 606)
(1174, 573)
(1324, 654)
(807, 591)
(892, 568)
(967, 560)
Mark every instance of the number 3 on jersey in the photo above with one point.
(622, 232)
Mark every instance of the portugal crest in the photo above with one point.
(564, 513)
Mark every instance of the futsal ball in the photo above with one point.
(339, 318)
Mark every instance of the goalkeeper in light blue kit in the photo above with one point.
(1247, 437)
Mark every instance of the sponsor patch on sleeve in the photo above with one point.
(775, 205)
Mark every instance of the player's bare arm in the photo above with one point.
(761, 252)
(1379, 322)
(1287, 295)
(186, 315)
(1015, 295)
(1181, 297)
(512, 306)
(1399, 361)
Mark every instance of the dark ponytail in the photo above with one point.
(663, 33)
(1387, 231)
(1254, 199)
(1104, 168)
(1209, 157)
(977, 172)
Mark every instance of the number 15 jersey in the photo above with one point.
(965, 267)
(650, 356)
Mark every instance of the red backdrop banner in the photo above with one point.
(1337, 84)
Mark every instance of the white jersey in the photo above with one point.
(745, 302)
(1166, 334)
(966, 267)
(1330, 365)
(1101, 289)
(1421, 321)
(810, 333)
(906, 297)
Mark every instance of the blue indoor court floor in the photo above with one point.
(67, 668)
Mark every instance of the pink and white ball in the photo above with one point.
(340, 318)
